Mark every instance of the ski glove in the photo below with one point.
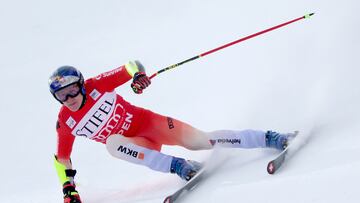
(140, 82)
(70, 194)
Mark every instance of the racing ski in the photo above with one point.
(190, 185)
(214, 162)
(276, 163)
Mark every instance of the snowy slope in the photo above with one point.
(303, 76)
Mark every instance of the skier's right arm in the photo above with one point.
(63, 166)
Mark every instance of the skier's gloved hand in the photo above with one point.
(70, 194)
(140, 82)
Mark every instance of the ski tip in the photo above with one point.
(308, 15)
(271, 168)
(167, 199)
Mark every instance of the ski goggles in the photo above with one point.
(70, 91)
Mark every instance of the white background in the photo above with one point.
(304, 76)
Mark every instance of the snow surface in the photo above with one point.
(302, 77)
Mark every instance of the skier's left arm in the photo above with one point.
(132, 70)
(140, 79)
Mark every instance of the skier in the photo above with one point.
(92, 109)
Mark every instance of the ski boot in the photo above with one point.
(186, 169)
(277, 140)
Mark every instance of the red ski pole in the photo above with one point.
(230, 44)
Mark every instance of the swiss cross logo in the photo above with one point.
(271, 168)
(95, 94)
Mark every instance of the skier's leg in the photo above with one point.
(124, 148)
(249, 139)
(169, 131)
